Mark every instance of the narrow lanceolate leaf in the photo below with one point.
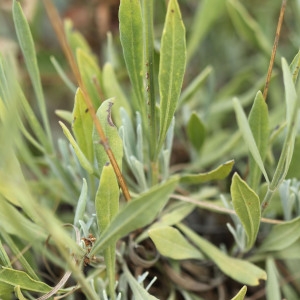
(220, 172)
(111, 133)
(107, 206)
(90, 75)
(239, 270)
(139, 292)
(247, 27)
(131, 36)
(295, 66)
(112, 89)
(248, 136)
(80, 155)
(27, 47)
(136, 214)
(290, 94)
(171, 67)
(273, 284)
(247, 206)
(259, 124)
(16, 277)
(241, 294)
(171, 243)
(83, 126)
(281, 236)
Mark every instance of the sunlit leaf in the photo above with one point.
(238, 269)
(272, 284)
(241, 294)
(137, 213)
(219, 173)
(171, 67)
(171, 243)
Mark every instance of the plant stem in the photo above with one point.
(58, 27)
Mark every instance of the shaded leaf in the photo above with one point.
(239, 270)
(171, 243)
(220, 172)
(138, 291)
(281, 236)
(196, 131)
(259, 124)
(113, 89)
(204, 18)
(247, 206)
(247, 27)
(295, 66)
(136, 214)
(171, 67)
(90, 75)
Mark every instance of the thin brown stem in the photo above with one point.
(59, 30)
(277, 35)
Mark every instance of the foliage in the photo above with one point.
(137, 218)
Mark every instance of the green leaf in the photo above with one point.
(290, 94)
(281, 236)
(247, 206)
(196, 131)
(27, 47)
(107, 206)
(248, 136)
(247, 27)
(195, 85)
(239, 270)
(4, 259)
(259, 124)
(18, 293)
(81, 157)
(295, 66)
(111, 133)
(171, 243)
(241, 294)
(82, 126)
(272, 284)
(24, 228)
(113, 89)
(90, 75)
(75, 39)
(208, 12)
(171, 67)
(16, 277)
(294, 170)
(137, 289)
(81, 204)
(136, 214)
(220, 172)
(6, 290)
(131, 36)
